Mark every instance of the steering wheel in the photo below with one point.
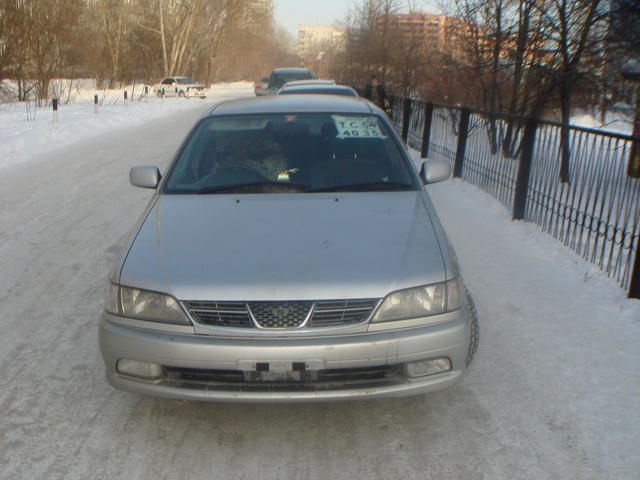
(230, 174)
(238, 169)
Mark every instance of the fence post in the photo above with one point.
(54, 106)
(634, 286)
(524, 168)
(426, 133)
(565, 153)
(463, 133)
(95, 103)
(633, 170)
(406, 118)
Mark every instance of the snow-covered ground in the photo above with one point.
(22, 139)
(615, 121)
(554, 392)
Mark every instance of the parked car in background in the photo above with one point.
(183, 87)
(317, 89)
(289, 253)
(261, 88)
(280, 76)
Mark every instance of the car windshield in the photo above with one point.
(280, 153)
(184, 80)
(279, 79)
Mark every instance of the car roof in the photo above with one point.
(291, 70)
(315, 86)
(311, 81)
(293, 104)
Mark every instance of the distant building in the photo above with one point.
(427, 31)
(428, 27)
(314, 39)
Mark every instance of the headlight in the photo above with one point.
(144, 305)
(420, 302)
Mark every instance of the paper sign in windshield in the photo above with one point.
(357, 127)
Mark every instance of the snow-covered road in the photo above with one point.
(554, 392)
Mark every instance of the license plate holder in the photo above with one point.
(278, 371)
(275, 377)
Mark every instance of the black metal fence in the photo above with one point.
(577, 184)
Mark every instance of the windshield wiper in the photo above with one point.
(365, 187)
(260, 187)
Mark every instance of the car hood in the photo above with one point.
(285, 246)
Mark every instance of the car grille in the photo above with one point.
(220, 314)
(341, 312)
(330, 379)
(281, 315)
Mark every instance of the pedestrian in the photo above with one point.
(375, 93)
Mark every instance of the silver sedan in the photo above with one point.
(290, 252)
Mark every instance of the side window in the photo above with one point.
(167, 81)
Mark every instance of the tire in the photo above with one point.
(474, 339)
(181, 94)
(159, 93)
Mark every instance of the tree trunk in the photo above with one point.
(565, 110)
(522, 42)
(163, 39)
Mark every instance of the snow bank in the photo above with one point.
(615, 121)
(22, 140)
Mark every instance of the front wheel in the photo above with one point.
(181, 94)
(474, 339)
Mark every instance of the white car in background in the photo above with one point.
(183, 87)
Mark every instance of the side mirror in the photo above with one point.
(145, 177)
(434, 171)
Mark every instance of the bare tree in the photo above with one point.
(45, 30)
(570, 32)
(113, 18)
(7, 32)
(370, 33)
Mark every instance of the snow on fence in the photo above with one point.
(577, 184)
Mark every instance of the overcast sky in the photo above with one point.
(290, 13)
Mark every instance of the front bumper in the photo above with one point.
(196, 353)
